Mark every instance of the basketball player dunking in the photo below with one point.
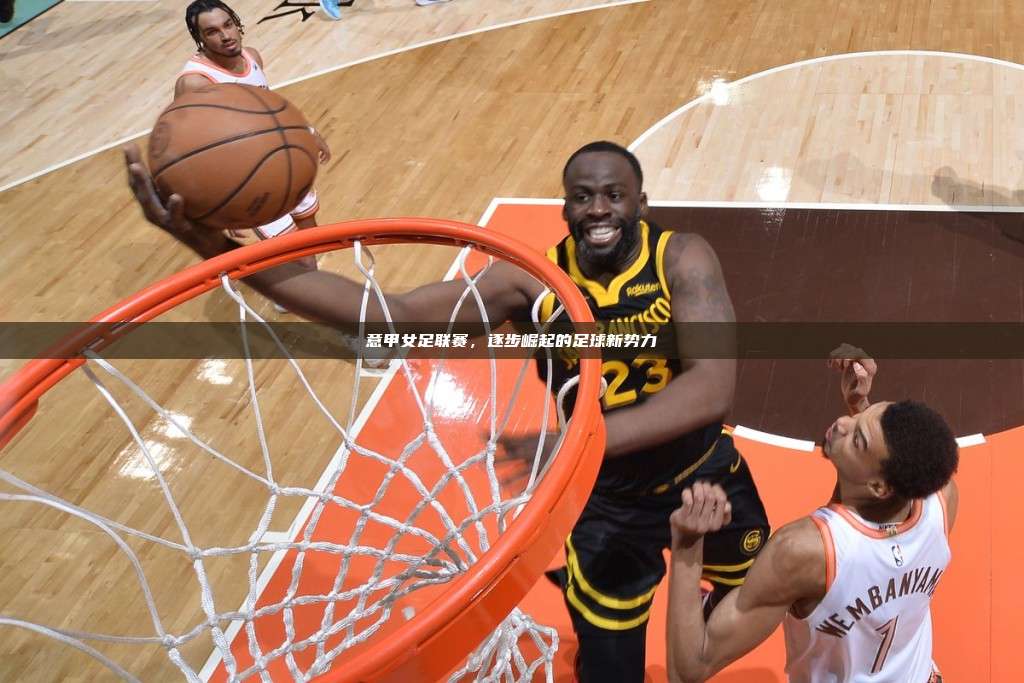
(851, 583)
(663, 415)
(221, 58)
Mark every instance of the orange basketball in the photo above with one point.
(240, 156)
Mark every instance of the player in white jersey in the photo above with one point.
(221, 58)
(851, 583)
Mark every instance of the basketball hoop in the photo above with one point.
(450, 611)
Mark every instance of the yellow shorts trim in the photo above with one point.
(604, 622)
(661, 488)
(714, 578)
(729, 567)
(599, 597)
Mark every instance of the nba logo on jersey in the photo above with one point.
(897, 555)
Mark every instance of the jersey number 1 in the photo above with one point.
(888, 631)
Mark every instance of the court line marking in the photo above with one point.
(231, 632)
(970, 440)
(345, 65)
(840, 206)
(809, 446)
(817, 60)
(773, 439)
(825, 206)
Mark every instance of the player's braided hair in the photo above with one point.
(197, 7)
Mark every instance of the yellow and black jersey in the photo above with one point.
(636, 301)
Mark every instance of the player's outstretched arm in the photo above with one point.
(703, 392)
(507, 291)
(790, 570)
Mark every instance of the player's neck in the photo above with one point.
(894, 511)
(236, 64)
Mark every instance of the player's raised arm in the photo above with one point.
(789, 570)
(703, 393)
(858, 372)
(506, 290)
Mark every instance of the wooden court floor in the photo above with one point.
(928, 115)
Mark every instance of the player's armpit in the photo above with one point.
(789, 571)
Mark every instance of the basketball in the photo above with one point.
(239, 156)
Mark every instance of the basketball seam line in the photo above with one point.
(247, 178)
(207, 105)
(217, 143)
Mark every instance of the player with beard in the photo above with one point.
(663, 415)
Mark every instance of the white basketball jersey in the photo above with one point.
(253, 75)
(874, 623)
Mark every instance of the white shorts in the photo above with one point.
(308, 207)
(282, 226)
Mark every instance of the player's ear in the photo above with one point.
(641, 211)
(565, 209)
(879, 488)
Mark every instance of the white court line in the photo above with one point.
(231, 632)
(808, 446)
(773, 439)
(970, 440)
(841, 206)
(484, 220)
(817, 60)
(837, 206)
(321, 72)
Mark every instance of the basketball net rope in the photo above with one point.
(498, 658)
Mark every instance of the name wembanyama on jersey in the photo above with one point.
(637, 301)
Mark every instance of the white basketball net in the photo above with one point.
(466, 537)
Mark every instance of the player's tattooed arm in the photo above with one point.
(703, 392)
(700, 283)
